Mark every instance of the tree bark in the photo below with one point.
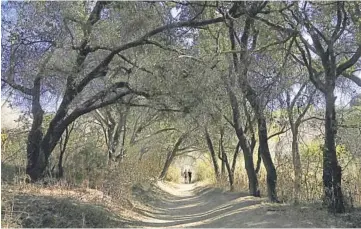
(242, 71)
(248, 162)
(247, 152)
(62, 146)
(168, 162)
(36, 162)
(331, 170)
(297, 169)
(223, 169)
(213, 154)
(171, 155)
(267, 159)
(223, 157)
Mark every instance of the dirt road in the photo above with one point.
(192, 205)
(159, 205)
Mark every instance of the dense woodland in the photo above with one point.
(113, 92)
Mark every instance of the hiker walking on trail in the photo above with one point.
(189, 176)
(185, 174)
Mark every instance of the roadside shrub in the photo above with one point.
(173, 174)
(205, 171)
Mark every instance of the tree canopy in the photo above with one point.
(183, 76)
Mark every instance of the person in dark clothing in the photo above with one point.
(190, 176)
(185, 174)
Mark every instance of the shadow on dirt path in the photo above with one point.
(194, 205)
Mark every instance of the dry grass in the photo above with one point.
(173, 174)
(312, 189)
(101, 198)
(56, 206)
(310, 206)
(314, 212)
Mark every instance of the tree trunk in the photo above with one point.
(248, 162)
(171, 155)
(263, 149)
(60, 165)
(122, 152)
(223, 163)
(123, 131)
(331, 170)
(39, 149)
(296, 165)
(223, 157)
(235, 155)
(230, 177)
(213, 154)
(247, 152)
(167, 164)
(267, 159)
(259, 160)
(223, 169)
(35, 156)
(248, 157)
(229, 170)
(63, 143)
(113, 141)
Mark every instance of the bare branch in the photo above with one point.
(309, 103)
(18, 87)
(350, 62)
(338, 29)
(134, 64)
(298, 95)
(101, 69)
(313, 74)
(283, 130)
(155, 133)
(353, 78)
(274, 26)
(163, 47)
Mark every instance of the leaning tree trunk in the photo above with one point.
(263, 149)
(40, 148)
(213, 154)
(267, 159)
(223, 169)
(63, 144)
(248, 162)
(39, 151)
(168, 162)
(171, 155)
(229, 170)
(331, 170)
(223, 163)
(223, 157)
(243, 142)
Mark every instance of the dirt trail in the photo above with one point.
(194, 205)
(160, 205)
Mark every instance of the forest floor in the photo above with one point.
(159, 205)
